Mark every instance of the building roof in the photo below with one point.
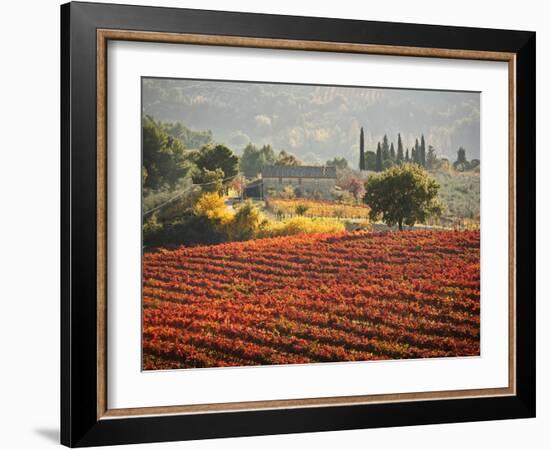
(298, 172)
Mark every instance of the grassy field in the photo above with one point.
(316, 208)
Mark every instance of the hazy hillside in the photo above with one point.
(316, 122)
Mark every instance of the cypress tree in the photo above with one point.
(385, 149)
(422, 152)
(379, 158)
(400, 156)
(413, 155)
(416, 152)
(461, 156)
(362, 165)
(392, 152)
(407, 159)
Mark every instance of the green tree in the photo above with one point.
(253, 159)
(402, 195)
(165, 160)
(461, 155)
(301, 209)
(422, 152)
(189, 138)
(287, 159)
(385, 148)
(378, 158)
(407, 158)
(218, 156)
(370, 160)
(400, 155)
(431, 158)
(416, 152)
(461, 164)
(245, 223)
(249, 163)
(474, 163)
(210, 180)
(339, 163)
(392, 152)
(362, 165)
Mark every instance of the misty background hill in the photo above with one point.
(317, 122)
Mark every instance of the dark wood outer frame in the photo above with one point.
(82, 421)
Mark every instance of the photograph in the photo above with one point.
(299, 223)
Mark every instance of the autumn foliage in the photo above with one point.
(311, 298)
(317, 208)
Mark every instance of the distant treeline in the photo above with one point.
(387, 155)
(173, 153)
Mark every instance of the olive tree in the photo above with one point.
(402, 195)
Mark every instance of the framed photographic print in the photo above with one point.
(276, 224)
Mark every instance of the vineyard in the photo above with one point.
(350, 296)
(316, 208)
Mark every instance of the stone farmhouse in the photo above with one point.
(306, 180)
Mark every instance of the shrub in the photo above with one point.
(318, 208)
(300, 225)
(211, 180)
(151, 228)
(339, 212)
(187, 230)
(244, 224)
(301, 209)
(211, 223)
(212, 206)
(288, 192)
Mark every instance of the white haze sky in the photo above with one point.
(317, 122)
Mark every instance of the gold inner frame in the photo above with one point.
(104, 35)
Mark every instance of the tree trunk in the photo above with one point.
(400, 225)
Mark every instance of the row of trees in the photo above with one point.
(168, 161)
(387, 154)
